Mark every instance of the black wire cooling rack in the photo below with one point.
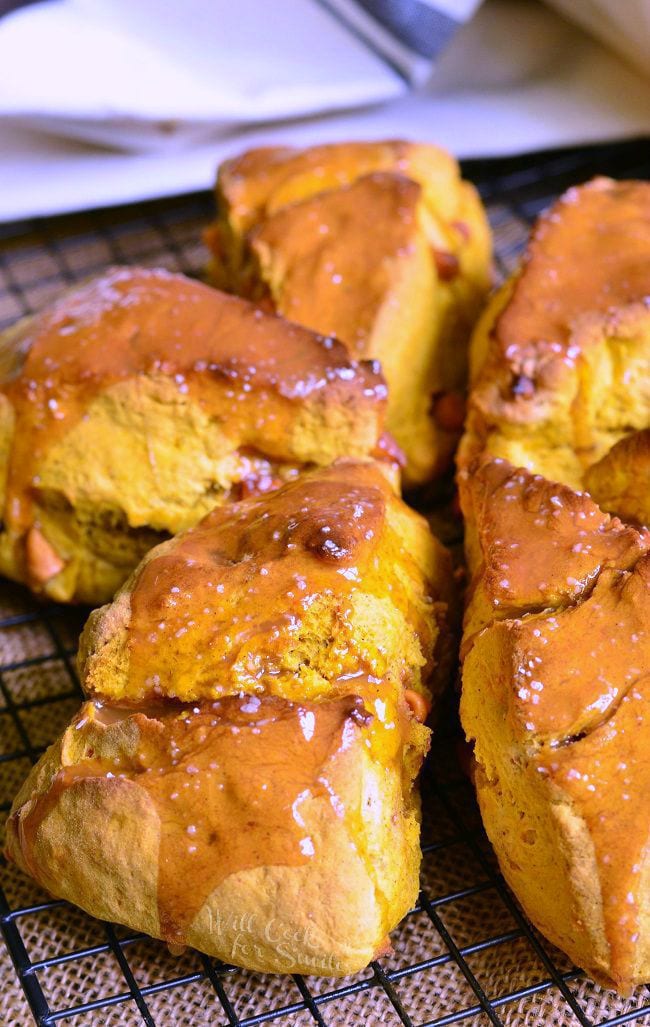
(465, 953)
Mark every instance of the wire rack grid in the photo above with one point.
(465, 953)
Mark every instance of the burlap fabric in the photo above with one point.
(465, 954)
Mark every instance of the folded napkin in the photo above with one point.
(147, 75)
(108, 101)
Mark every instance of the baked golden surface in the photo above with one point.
(382, 245)
(556, 699)
(141, 400)
(560, 360)
(556, 643)
(252, 733)
(298, 593)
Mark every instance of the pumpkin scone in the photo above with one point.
(142, 399)
(381, 244)
(252, 732)
(556, 701)
(560, 360)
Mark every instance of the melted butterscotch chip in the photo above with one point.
(228, 781)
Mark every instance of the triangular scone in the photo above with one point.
(560, 360)
(139, 401)
(381, 244)
(556, 699)
(241, 777)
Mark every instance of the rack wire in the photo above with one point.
(465, 953)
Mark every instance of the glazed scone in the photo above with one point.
(318, 858)
(248, 750)
(556, 700)
(362, 614)
(141, 400)
(560, 361)
(382, 245)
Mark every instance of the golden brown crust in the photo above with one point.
(266, 670)
(556, 645)
(327, 912)
(185, 397)
(380, 243)
(554, 697)
(560, 358)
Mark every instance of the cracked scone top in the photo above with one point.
(556, 698)
(248, 749)
(287, 593)
(142, 399)
(379, 243)
(560, 360)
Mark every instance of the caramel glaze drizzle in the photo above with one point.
(212, 614)
(229, 773)
(248, 368)
(589, 252)
(228, 780)
(327, 283)
(218, 609)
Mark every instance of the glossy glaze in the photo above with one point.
(219, 609)
(249, 370)
(229, 781)
(562, 689)
(317, 277)
(544, 543)
(590, 252)
(607, 777)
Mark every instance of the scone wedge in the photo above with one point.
(142, 399)
(253, 729)
(556, 701)
(381, 244)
